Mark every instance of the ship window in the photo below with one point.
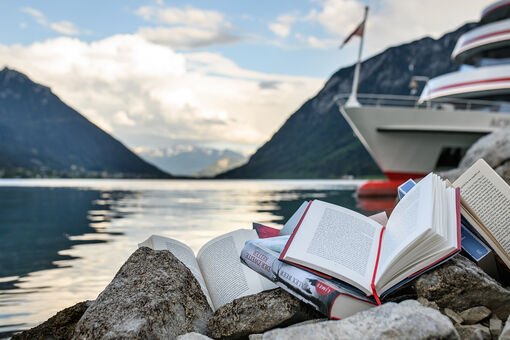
(449, 158)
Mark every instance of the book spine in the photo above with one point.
(317, 291)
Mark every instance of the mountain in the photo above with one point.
(42, 136)
(188, 160)
(221, 165)
(316, 141)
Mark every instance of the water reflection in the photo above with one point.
(63, 240)
(35, 224)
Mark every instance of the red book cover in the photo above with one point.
(265, 231)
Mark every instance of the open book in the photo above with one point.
(486, 206)
(217, 266)
(423, 230)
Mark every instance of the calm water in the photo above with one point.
(62, 241)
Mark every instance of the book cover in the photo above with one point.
(331, 297)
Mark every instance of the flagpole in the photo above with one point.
(353, 100)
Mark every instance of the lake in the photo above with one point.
(64, 240)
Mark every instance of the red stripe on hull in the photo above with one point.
(386, 187)
(474, 82)
(488, 35)
(403, 176)
(505, 4)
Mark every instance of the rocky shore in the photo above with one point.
(155, 296)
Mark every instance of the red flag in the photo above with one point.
(357, 32)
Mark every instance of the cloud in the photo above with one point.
(190, 17)
(188, 37)
(269, 84)
(62, 27)
(149, 95)
(122, 118)
(311, 41)
(283, 25)
(186, 28)
(393, 22)
(36, 15)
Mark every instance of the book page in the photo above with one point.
(226, 278)
(488, 195)
(183, 253)
(338, 242)
(410, 218)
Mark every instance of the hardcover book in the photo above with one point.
(485, 204)
(422, 231)
(333, 298)
(472, 246)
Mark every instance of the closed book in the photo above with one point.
(333, 298)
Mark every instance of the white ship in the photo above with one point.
(409, 137)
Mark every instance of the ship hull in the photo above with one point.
(411, 142)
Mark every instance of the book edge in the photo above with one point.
(287, 245)
(459, 238)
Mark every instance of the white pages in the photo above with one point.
(217, 266)
(422, 229)
(488, 201)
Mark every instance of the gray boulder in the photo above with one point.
(495, 326)
(153, 296)
(258, 313)
(474, 332)
(475, 314)
(406, 320)
(493, 148)
(59, 327)
(459, 284)
(260, 336)
(193, 336)
(505, 333)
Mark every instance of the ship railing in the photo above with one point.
(445, 104)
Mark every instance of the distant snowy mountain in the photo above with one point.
(189, 160)
(221, 165)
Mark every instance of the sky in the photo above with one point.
(158, 74)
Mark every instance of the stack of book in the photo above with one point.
(342, 262)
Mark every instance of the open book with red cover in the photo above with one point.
(422, 231)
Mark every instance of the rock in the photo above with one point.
(406, 320)
(505, 333)
(427, 303)
(153, 295)
(259, 336)
(193, 336)
(455, 317)
(459, 284)
(59, 326)
(474, 332)
(493, 148)
(308, 322)
(258, 313)
(495, 326)
(475, 314)
(504, 171)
